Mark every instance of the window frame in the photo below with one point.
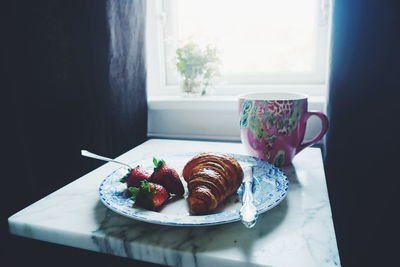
(312, 84)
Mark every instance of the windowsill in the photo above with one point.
(206, 118)
(232, 91)
(206, 102)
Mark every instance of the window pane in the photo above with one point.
(253, 37)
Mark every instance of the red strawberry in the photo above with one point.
(149, 195)
(135, 176)
(167, 177)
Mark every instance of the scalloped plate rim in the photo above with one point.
(149, 214)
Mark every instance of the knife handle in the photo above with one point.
(248, 212)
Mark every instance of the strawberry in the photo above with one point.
(149, 195)
(135, 176)
(167, 177)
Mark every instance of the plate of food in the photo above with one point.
(191, 189)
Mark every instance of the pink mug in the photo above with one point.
(272, 125)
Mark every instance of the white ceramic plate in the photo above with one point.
(269, 188)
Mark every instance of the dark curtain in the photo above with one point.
(73, 78)
(362, 153)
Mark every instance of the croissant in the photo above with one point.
(211, 178)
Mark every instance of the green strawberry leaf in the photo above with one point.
(158, 164)
(144, 195)
(134, 191)
(145, 186)
(155, 161)
(123, 179)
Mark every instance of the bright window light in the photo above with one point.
(259, 42)
(253, 36)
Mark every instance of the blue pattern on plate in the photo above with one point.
(270, 187)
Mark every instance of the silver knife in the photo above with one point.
(248, 212)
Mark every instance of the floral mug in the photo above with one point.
(273, 125)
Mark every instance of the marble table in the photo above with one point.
(297, 232)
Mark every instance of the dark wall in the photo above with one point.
(363, 141)
(73, 77)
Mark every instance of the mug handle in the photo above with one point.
(324, 121)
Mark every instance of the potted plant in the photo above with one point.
(197, 67)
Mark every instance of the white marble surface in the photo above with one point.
(298, 232)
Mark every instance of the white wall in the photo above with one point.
(208, 118)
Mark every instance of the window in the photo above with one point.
(261, 43)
